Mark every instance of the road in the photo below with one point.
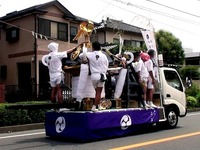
(186, 136)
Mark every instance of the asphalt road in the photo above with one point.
(185, 137)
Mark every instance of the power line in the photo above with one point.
(156, 12)
(174, 8)
(104, 8)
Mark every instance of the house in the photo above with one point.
(25, 34)
(192, 58)
(112, 28)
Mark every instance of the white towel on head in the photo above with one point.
(53, 47)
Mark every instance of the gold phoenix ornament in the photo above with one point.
(85, 29)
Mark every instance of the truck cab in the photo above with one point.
(173, 97)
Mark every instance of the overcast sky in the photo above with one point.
(180, 17)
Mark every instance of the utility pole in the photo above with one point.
(35, 57)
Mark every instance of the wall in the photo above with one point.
(2, 93)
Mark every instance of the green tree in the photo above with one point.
(170, 47)
(190, 71)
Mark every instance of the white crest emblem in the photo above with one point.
(60, 124)
(125, 122)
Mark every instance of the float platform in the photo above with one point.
(89, 126)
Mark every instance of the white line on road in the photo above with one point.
(20, 135)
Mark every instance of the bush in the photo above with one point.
(192, 91)
(191, 102)
(198, 97)
(10, 117)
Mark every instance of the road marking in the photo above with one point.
(20, 135)
(155, 141)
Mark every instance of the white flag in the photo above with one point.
(150, 42)
(33, 33)
(149, 39)
(40, 36)
(36, 35)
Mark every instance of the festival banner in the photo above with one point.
(149, 39)
(150, 42)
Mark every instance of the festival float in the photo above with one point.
(122, 115)
(121, 97)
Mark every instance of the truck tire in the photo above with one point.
(172, 118)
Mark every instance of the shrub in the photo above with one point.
(192, 91)
(10, 117)
(191, 102)
(198, 97)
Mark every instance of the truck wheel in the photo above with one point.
(172, 118)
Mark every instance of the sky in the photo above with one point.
(180, 17)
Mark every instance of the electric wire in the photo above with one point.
(189, 31)
(174, 9)
(156, 12)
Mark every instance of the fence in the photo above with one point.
(15, 94)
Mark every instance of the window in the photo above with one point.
(3, 72)
(132, 43)
(127, 42)
(54, 33)
(136, 43)
(94, 39)
(62, 31)
(53, 29)
(116, 41)
(12, 34)
(173, 79)
(44, 27)
(73, 32)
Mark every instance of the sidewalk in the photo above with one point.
(25, 127)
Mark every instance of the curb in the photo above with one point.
(18, 128)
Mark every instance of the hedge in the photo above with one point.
(9, 117)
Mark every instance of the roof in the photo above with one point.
(120, 25)
(192, 55)
(41, 8)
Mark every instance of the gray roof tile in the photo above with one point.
(120, 25)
